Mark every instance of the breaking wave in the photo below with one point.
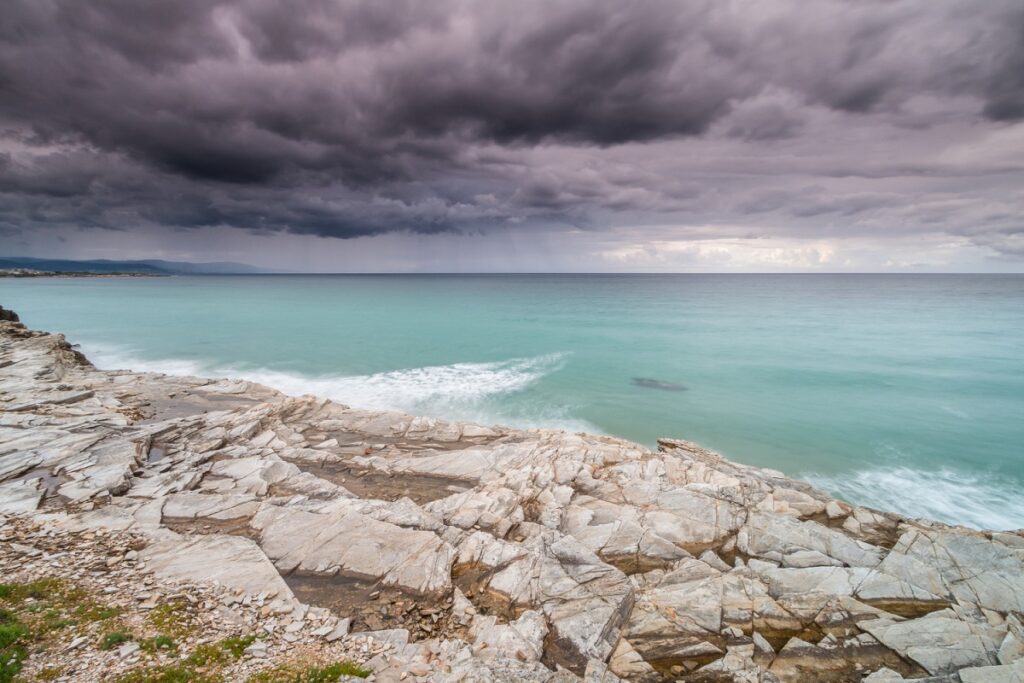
(488, 393)
(946, 495)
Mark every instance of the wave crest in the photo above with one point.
(476, 392)
(412, 389)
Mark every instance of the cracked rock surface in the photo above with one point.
(504, 554)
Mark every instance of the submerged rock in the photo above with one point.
(649, 383)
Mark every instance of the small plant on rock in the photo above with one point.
(13, 634)
(158, 644)
(221, 651)
(172, 618)
(113, 639)
(169, 673)
(298, 673)
(235, 645)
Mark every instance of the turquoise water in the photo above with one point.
(905, 392)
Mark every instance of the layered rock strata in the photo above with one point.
(537, 552)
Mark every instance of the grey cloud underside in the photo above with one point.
(347, 119)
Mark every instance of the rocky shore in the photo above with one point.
(219, 530)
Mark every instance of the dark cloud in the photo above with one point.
(1005, 88)
(349, 118)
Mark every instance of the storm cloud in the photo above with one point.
(345, 119)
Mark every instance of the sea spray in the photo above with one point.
(947, 495)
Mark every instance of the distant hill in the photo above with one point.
(148, 266)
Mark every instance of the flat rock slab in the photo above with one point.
(229, 560)
(319, 543)
(20, 497)
(939, 642)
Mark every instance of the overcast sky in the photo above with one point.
(450, 135)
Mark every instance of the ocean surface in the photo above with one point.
(904, 392)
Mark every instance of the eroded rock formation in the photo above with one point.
(531, 551)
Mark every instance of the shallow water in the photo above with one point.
(904, 392)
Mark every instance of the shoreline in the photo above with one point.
(28, 273)
(489, 553)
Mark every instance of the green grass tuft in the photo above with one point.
(221, 651)
(13, 635)
(171, 618)
(113, 639)
(169, 673)
(50, 673)
(11, 631)
(235, 646)
(158, 643)
(206, 654)
(310, 674)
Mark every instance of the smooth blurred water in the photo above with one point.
(902, 391)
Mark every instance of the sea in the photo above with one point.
(901, 392)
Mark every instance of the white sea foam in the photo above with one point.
(412, 388)
(946, 495)
(462, 391)
(114, 358)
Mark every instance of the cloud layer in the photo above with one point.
(721, 119)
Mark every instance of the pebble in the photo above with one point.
(127, 650)
(78, 642)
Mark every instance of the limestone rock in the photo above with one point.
(20, 497)
(939, 642)
(230, 560)
(524, 637)
(189, 505)
(1011, 673)
(312, 542)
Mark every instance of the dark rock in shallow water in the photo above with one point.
(8, 315)
(657, 384)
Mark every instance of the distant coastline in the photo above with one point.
(27, 272)
(25, 266)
